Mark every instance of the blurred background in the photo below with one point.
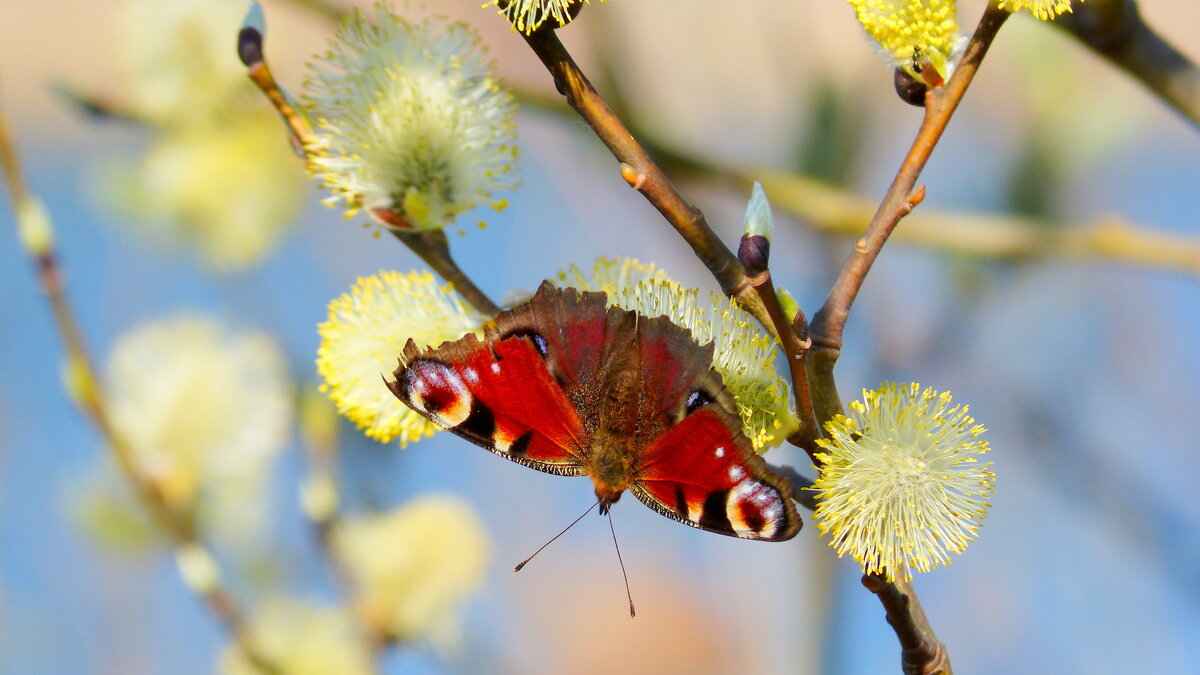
(1084, 370)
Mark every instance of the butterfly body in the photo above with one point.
(566, 385)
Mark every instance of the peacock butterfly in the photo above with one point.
(566, 385)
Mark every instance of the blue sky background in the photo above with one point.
(1084, 372)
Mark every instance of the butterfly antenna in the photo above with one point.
(526, 561)
(629, 595)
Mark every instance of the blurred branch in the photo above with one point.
(96, 105)
(642, 174)
(431, 247)
(321, 502)
(196, 564)
(1115, 30)
(833, 210)
(323, 8)
(826, 208)
(1006, 237)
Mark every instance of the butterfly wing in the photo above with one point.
(703, 472)
(498, 395)
(699, 468)
(517, 392)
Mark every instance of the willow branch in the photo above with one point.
(827, 208)
(754, 254)
(903, 194)
(793, 337)
(197, 565)
(921, 653)
(1115, 30)
(802, 488)
(432, 247)
(643, 174)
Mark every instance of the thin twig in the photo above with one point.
(921, 653)
(89, 396)
(940, 104)
(1115, 30)
(433, 248)
(828, 208)
(795, 347)
(802, 491)
(642, 174)
(754, 255)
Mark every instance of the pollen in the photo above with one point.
(901, 484)
(911, 33)
(1046, 10)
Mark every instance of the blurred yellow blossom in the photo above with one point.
(223, 191)
(900, 485)
(1042, 9)
(743, 354)
(912, 33)
(364, 336)
(411, 567)
(177, 58)
(412, 125)
(103, 506)
(205, 410)
(301, 639)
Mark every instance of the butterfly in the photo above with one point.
(566, 385)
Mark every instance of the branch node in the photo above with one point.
(632, 176)
(917, 196)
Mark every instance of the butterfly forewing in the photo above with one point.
(499, 396)
(570, 330)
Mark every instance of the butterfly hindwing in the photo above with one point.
(704, 473)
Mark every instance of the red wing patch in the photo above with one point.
(701, 473)
(499, 396)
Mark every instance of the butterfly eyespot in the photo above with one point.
(435, 389)
(754, 509)
(695, 401)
